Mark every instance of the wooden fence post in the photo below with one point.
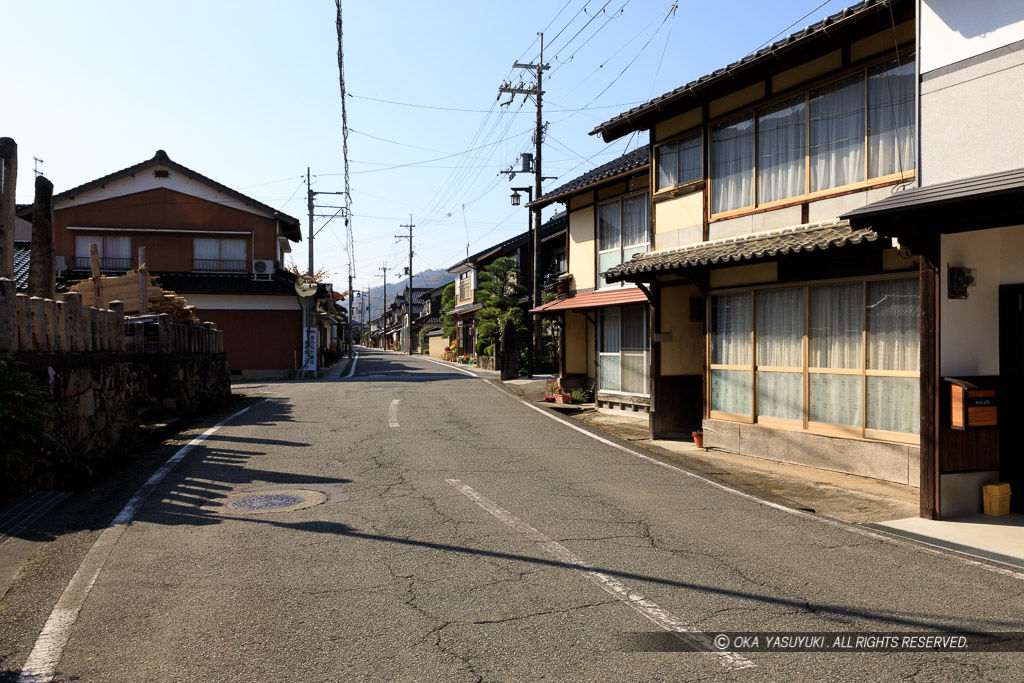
(164, 333)
(73, 301)
(37, 317)
(63, 337)
(117, 308)
(140, 337)
(8, 313)
(50, 323)
(24, 323)
(42, 280)
(8, 205)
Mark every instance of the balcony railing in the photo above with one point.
(217, 265)
(106, 263)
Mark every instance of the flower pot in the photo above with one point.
(563, 398)
(698, 439)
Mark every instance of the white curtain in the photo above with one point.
(232, 250)
(690, 159)
(732, 164)
(781, 140)
(893, 404)
(668, 173)
(730, 345)
(609, 234)
(837, 133)
(836, 326)
(891, 118)
(206, 249)
(610, 350)
(779, 335)
(835, 399)
(894, 319)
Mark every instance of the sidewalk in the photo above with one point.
(883, 506)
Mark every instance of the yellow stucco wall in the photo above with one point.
(437, 346)
(579, 345)
(684, 354)
(582, 245)
(677, 214)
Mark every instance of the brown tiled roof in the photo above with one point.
(810, 237)
(22, 256)
(636, 118)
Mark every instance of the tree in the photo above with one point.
(449, 326)
(499, 291)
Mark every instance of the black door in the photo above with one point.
(1011, 391)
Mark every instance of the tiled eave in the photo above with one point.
(746, 248)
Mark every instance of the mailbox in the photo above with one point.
(972, 406)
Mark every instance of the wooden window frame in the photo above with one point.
(620, 200)
(697, 132)
(805, 90)
(859, 432)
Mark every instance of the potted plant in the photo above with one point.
(553, 392)
(698, 438)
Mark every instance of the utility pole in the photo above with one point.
(408, 298)
(538, 138)
(384, 311)
(308, 338)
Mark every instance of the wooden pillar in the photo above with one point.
(930, 444)
(8, 205)
(8, 315)
(73, 300)
(42, 276)
(63, 334)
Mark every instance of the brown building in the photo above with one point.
(221, 250)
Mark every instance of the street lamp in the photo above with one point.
(515, 198)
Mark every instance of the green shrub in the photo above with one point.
(582, 395)
(23, 413)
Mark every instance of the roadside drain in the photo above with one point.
(254, 503)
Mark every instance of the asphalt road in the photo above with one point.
(442, 529)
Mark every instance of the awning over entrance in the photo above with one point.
(810, 237)
(617, 297)
(982, 202)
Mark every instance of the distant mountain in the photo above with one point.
(427, 278)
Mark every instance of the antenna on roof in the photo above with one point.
(38, 165)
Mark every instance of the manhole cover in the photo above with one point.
(268, 501)
(273, 500)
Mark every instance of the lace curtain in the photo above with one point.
(837, 133)
(781, 140)
(732, 164)
(891, 118)
(779, 336)
(730, 345)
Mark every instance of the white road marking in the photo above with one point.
(393, 413)
(352, 370)
(922, 547)
(664, 619)
(42, 661)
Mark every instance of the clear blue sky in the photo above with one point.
(247, 93)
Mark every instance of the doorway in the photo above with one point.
(1011, 391)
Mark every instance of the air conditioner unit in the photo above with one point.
(262, 269)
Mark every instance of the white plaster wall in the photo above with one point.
(954, 30)
(970, 327)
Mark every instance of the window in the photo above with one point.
(679, 162)
(855, 129)
(466, 286)
(621, 232)
(217, 255)
(115, 253)
(622, 350)
(860, 376)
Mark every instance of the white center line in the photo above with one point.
(393, 413)
(42, 661)
(664, 619)
(352, 370)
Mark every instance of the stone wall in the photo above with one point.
(99, 401)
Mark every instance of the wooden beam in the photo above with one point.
(929, 398)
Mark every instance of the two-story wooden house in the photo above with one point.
(805, 329)
(552, 259)
(221, 250)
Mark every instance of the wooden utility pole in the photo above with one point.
(384, 311)
(538, 138)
